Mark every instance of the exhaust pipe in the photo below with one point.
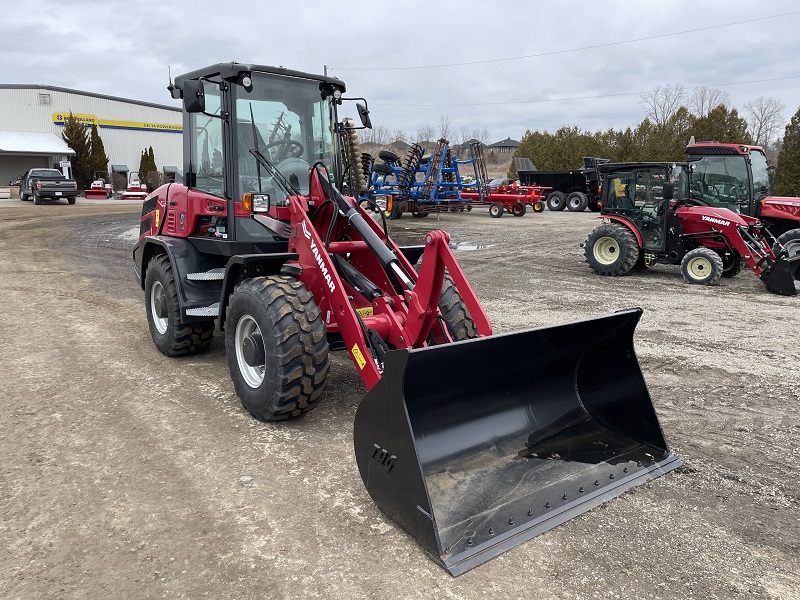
(477, 446)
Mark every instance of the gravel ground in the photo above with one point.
(126, 474)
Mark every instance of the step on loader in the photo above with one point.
(259, 239)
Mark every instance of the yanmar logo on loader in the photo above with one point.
(716, 221)
(318, 256)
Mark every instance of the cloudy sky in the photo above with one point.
(503, 65)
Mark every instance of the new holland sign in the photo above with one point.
(59, 118)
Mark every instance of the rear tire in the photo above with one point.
(577, 202)
(611, 249)
(496, 210)
(277, 347)
(37, 199)
(789, 240)
(519, 209)
(170, 336)
(396, 212)
(71, 200)
(701, 266)
(556, 201)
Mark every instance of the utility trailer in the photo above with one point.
(574, 189)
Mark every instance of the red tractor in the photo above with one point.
(260, 242)
(647, 221)
(737, 176)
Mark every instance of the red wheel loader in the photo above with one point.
(259, 239)
(645, 223)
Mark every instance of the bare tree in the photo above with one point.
(444, 126)
(662, 102)
(482, 135)
(704, 99)
(764, 119)
(398, 135)
(425, 133)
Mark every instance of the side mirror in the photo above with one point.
(194, 98)
(668, 191)
(363, 114)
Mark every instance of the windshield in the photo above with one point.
(721, 181)
(289, 122)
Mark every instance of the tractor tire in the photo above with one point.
(388, 156)
(577, 202)
(170, 336)
(556, 201)
(789, 240)
(420, 214)
(731, 266)
(37, 199)
(496, 210)
(455, 314)
(277, 347)
(519, 209)
(611, 249)
(701, 266)
(538, 206)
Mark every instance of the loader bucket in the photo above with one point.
(477, 446)
(783, 277)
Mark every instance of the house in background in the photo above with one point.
(506, 146)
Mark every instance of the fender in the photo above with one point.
(628, 224)
(184, 258)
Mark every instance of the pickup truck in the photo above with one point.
(47, 183)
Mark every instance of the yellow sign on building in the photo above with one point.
(60, 118)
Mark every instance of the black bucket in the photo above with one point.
(783, 277)
(477, 446)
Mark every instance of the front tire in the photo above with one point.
(455, 314)
(519, 209)
(701, 266)
(170, 336)
(611, 249)
(556, 201)
(277, 347)
(23, 197)
(731, 265)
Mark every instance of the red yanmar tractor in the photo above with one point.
(259, 239)
(654, 213)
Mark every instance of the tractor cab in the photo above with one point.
(640, 193)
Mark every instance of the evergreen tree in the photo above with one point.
(721, 125)
(787, 173)
(98, 160)
(77, 137)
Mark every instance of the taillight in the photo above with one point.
(39, 185)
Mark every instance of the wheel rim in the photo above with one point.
(158, 302)
(574, 203)
(252, 375)
(792, 248)
(698, 268)
(606, 250)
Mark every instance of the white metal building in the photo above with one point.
(32, 119)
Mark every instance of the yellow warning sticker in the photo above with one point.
(365, 312)
(360, 361)
(157, 216)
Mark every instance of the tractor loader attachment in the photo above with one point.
(783, 277)
(475, 447)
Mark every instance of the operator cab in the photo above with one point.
(641, 193)
(234, 112)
